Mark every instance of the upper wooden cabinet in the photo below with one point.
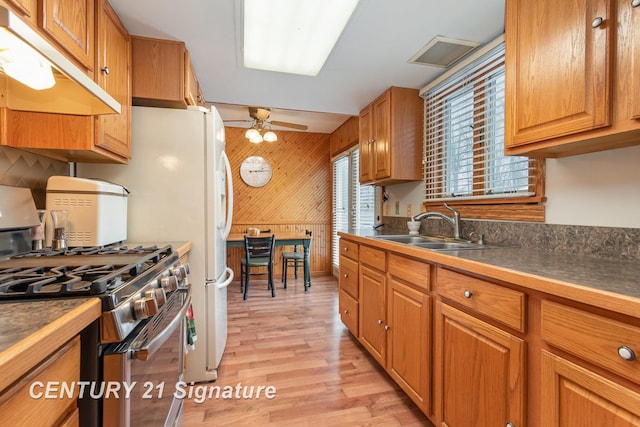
(163, 75)
(345, 137)
(113, 131)
(571, 84)
(26, 9)
(71, 24)
(391, 138)
(105, 139)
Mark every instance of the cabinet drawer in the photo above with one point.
(592, 337)
(373, 257)
(504, 305)
(349, 249)
(411, 270)
(348, 312)
(349, 276)
(18, 404)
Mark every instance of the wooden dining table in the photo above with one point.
(237, 241)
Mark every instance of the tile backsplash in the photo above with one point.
(604, 242)
(20, 168)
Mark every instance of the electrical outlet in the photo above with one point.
(409, 210)
(398, 207)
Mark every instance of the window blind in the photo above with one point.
(464, 136)
(353, 204)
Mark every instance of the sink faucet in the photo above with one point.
(454, 220)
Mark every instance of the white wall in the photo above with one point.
(598, 189)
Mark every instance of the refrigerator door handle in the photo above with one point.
(229, 218)
(227, 282)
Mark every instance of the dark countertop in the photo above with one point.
(31, 331)
(606, 283)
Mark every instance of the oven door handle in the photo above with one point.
(149, 350)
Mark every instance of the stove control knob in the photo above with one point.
(158, 294)
(140, 309)
(181, 271)
(169, 283)
(145, 307)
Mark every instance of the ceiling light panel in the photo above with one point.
(293, 36)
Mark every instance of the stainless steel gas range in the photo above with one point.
(138, 342)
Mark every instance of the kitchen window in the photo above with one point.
(354, 205)
(464, 163)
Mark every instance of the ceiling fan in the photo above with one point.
(259, 117)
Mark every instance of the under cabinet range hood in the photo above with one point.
(73, 92)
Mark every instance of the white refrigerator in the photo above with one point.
(179, 179)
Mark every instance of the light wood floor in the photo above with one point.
(296, 343)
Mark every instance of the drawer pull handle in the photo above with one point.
(468, 293)
(626, 353)
(511, 425)
(379, 321)
(387, 327)
(346, 276)
(346, 312)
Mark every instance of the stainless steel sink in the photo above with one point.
(432, 243)
(405, 238)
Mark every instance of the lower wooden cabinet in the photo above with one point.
(23, 404)
(480, 372)
(472, 350)
(575, 396)
(373, 335)
(408, 340)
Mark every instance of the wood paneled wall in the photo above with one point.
(297, 198)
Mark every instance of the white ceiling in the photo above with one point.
(370, 56)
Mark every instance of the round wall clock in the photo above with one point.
(255, 171)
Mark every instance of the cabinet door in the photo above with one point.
(71, 23)
(633, 12)
(575, 396)
(382, 136)
(408, 360)
(26, 9)
(372, 312)
(114, 75)
(366, 146)
(558, 78)
(191, 81)
(482, 372)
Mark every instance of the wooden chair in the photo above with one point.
(258, 252)
(292, 259)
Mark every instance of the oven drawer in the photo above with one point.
(26, 404)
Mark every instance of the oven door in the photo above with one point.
(145, 369)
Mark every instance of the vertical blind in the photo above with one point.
(353, 204)
(464, 136)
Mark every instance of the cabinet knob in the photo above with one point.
(379, 321)
(626, 353)
(635, 3)
(346, 312)
(387, 327)
(510, 425)
(468, 293)
(597, 22)
(346, 249)
(346, 276)
(106, 70)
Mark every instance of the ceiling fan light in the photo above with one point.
(293, 36)
(253, 136)
(270, 136)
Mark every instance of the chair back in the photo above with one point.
(259, 247)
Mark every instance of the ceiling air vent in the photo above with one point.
(443, 51)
